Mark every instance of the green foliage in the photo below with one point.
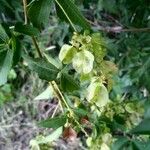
(68, 84)
(3, 36)
(53, 122)
(142, 128)
(38, 12)
(44, 69)
(66, 10)
(26, 29)
(5, 65)
(120, 143)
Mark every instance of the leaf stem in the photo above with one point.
(36, 46)
(61, 97)
(66, 16)
(25, 22)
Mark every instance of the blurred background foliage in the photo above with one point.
(121, 22)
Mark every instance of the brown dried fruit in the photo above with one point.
(69, 134)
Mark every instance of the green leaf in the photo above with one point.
(80, 112)
(46, 95)
(39, 11)
(44, 69)
(16, 47)
(3, 35)
(53, 122)
(5, 65)
(68, 84)
(26, 29)
(147, 146)
(142, 128)
(54, 60)
(52, 137)
(138, 145)
(119, 144)
(67, 10)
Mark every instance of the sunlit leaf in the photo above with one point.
(5, 65)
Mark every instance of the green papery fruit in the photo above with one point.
(66, 54)
(130, 108)
(97, 93)
(104, 147)
(83, 62)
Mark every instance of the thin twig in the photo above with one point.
(118, 29)
(61, 98)
(26, 21)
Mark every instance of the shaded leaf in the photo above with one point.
(26, 29)
(68, 84)
(138, 145)
(53, 122)
(67, 10)
(142, 128)
(3, 35)
(16, 46)
(39, 11)
(44, 69)
(80, 112)
(120, 143)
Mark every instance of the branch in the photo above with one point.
(118, 29)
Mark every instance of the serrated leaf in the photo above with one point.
(44, 69)
(119, 144)
(68, 84)
(3, 35)
(39, 11)
(5, 65)
(53, 122)
(138, 145)
(142, 128)
(67, 10)
(26, 29)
